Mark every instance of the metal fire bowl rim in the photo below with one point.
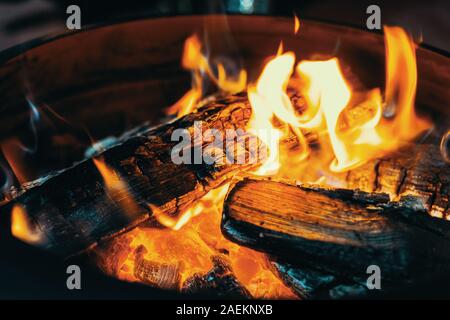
(14, 51)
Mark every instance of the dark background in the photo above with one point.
(22, 20)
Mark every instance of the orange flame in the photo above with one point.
(327, 82)
(117, 189)
(191, 246)
(22, 228)
(280, 49)
(13, 151)
(194, 60)
(363, 139)
(207, 201)
(352, 128)
(186, 104)
(112, 180)
(268, 99)
(296, 24)
(353, 122)
(401, 83)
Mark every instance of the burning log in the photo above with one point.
(93, 200)
(310, 283)
(160, 275)
(340, 232)
(80, 206)
(419, 170)
(219, 281)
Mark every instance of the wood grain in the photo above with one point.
(339, 231)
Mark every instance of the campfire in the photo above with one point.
(285, 185)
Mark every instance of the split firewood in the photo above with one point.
(339, 231)
(418, 170)
(75, 208)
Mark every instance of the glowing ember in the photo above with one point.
(191, 246)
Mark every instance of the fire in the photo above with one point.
(189, 247)
(198, 63)
(117, 189)
(330, 90)
(353, 127)
(22, 228)
(363, 138)
(401, 83)
(207, 201)
(296, 24)
(280, 49)
(112, 180)
(269, 99)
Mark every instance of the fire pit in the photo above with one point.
(342, 166)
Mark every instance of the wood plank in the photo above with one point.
(339, 231)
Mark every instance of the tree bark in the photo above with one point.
(338, 231)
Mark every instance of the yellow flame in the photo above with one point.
(22, 228)
(296, 24)
(194, 60)
(352, 122)
(186, 104)
(192, 54)
(176, 223)
(269, 99)
(269, 93)
(328, 83)
(280, 49)
(401, 84)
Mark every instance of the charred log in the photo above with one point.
(419, 170)
(340, 231)
(219, 281)
(159, 275)
(75, 209)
